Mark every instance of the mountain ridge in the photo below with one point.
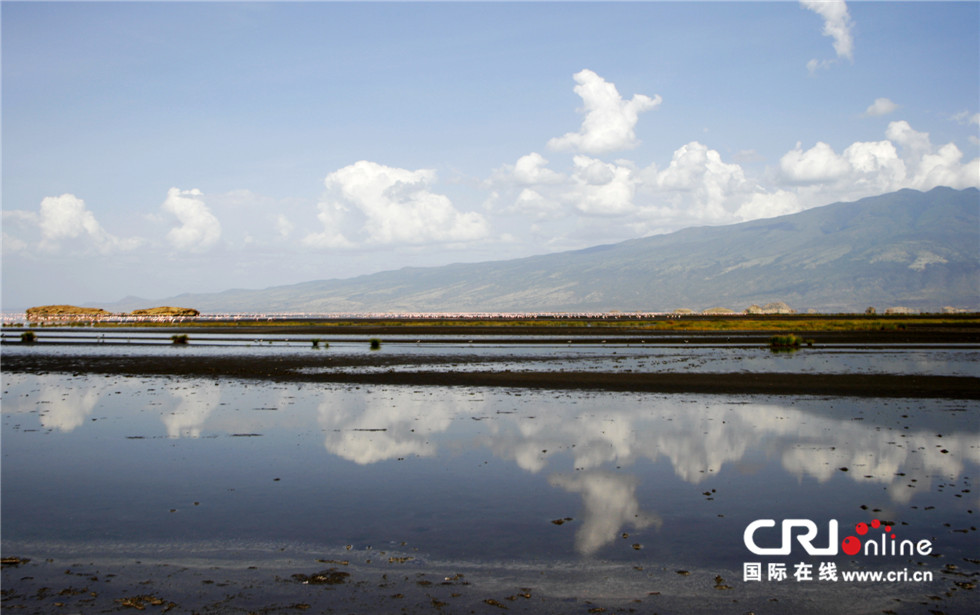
(909, 248)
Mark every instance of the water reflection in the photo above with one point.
(191, 407)
(65, 412)
(601, 448)
(610, 504)
(384, 425)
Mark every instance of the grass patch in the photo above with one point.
(180, 340)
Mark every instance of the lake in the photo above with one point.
(233, 495)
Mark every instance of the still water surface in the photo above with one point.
(144, 467)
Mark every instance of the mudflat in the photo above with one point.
(421, 371)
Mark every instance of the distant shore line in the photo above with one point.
(846, 328)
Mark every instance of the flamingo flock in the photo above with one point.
(15, 318)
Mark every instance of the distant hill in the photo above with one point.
(908, 248)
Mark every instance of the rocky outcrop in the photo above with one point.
(900, 310)
(64, 311)
(776, 307)
(74, 313)
(948, 309)
(166, 310)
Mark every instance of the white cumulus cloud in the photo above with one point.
(818, 164)
(865, 167)
(600, 200)
(396, 206)
(836, 24)
(928, 167)
(532, 202)
(526, 187)
(769, 205)
(602, 188)
(609, 120)
(529, 170)
(881, 106)
(199, 229)
(915, 144)
(943, 168)
(710, 182)
(906, 159)
(67, 217)
(533, 169)
(283, 226)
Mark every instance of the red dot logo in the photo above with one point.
(851, 545)
(876, 524)
(861, 529)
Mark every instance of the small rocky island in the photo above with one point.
(166, 311)
(55, 311)
(78, 313)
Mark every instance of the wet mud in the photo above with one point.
(65, 586)
(443, 371)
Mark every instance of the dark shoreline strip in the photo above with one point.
(846, 385)
(288, 369)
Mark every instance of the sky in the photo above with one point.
(156, 148)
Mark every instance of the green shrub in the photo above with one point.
(375, 343)
(179, 339)
(28, 337)
(785, 341)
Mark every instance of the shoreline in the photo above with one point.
(375, 581)
(895, 326)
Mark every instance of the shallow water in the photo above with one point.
(644, 485)
(544, 354)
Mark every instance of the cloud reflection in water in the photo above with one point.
(66, 412)
(193, 406)
(583, 443)
(610, 504)
(384, 425)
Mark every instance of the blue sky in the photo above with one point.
(151, 149)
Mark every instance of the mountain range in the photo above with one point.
(908, 248)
